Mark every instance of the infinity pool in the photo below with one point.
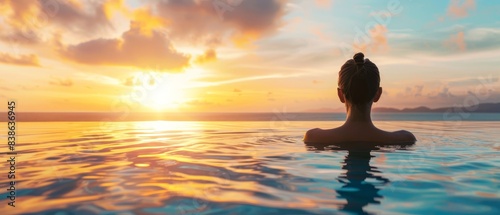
(250, 168)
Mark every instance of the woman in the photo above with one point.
(359, 87)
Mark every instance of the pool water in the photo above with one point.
(250, 168)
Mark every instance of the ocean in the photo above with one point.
(252, 167)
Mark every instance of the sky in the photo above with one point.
(243, 55)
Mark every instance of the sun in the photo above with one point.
(167, 91)
(169, 95)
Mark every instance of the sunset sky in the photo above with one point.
(243, 55)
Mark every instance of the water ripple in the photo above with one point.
(252, 168)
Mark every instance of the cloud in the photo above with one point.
(471, 81)
(15, 36)
(62, 82)
(241, 21)
(457, 41)
(378, 34)
(42, 23)
(28, 21)
(376, 40)
(22, 60)
(209, 55)
(415, 91)
(460, 9)
(87, 16)
(131, 81)
(133, 48)
(442, 93)
(143, 79)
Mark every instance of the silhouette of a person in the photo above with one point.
(358, 88)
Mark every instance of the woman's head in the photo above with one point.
(359, 81)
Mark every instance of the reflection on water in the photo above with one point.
(248, 168)
(360, 181)
(357, 189)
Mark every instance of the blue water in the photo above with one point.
(251, 168)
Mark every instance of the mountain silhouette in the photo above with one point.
(480, 108)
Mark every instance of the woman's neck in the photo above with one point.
(358, 114)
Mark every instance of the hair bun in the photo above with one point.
(359, 58)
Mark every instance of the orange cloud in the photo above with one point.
(23, 60)
(457, 10)
(146, 21)
(28, 21)
(209, 55)
(18, 12)
(379, 36)
(197, 22)
(132, 49)
(376, 40)
(457, 41)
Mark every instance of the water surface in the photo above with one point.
(251, 168)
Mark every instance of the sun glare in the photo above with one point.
(167, 91)
(168, 96)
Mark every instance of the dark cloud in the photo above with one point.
(201, 20)
(87, 16)
(133, 49)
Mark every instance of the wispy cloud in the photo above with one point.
(62, 82)
(457, 41)
(22, 60)
(244, 79)
(375, 40)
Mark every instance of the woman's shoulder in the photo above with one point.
(313, 134)
(320, 135)
(404, 136)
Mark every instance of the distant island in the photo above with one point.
(480, 108)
